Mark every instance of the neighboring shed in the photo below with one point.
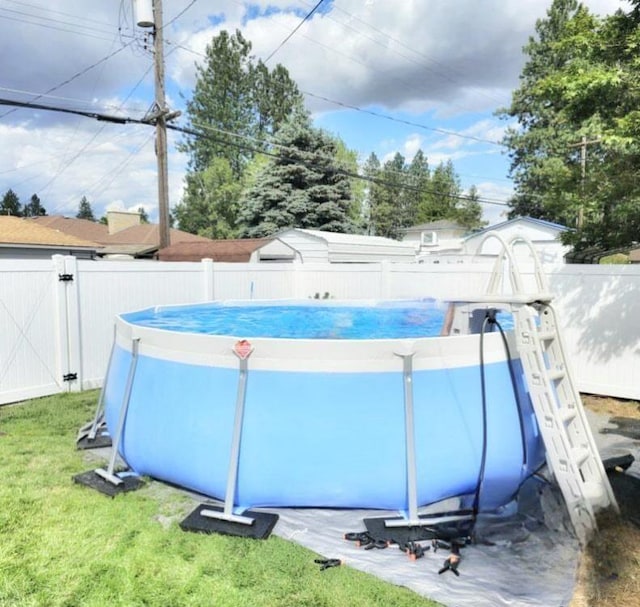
(23, 239)
(544, 235)
(241, 250)
(441, 236)
(319, 246)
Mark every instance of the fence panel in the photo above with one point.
(30, 363)
(50, 328)
(599, 310)
(108, 288)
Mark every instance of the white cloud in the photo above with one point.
(415, 56)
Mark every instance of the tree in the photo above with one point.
(469, 210)
(234, 99)
(84, 210)
(10, 204)
(301, 187)
(34, 208)
(387, 207)
(418, 179)
(144, 218)
(210, 204)
(373, 191)
(575, 153)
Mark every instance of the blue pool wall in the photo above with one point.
(323, 438)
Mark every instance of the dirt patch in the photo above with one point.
(609, 572)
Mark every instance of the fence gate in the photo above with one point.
(37, 339)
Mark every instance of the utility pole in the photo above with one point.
(161, 128)
(583, 174)
(159, 115)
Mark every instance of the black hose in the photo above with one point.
(490, 318)
(483, 391)
(514, 385)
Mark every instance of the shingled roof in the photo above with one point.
(81, 228)
(137, 240)
(22, 232)
(218, 250)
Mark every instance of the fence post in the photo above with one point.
(298, 279)
(60, 321)
(74, 336)
(208, 279)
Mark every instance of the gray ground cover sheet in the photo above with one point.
(527, 557)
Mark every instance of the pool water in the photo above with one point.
(301, 321)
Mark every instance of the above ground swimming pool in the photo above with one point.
(325, 389)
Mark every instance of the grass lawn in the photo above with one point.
(65, 544)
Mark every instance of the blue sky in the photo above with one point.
(386, 76)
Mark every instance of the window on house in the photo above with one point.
(429, 239)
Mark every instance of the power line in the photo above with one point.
(251, 148)
(402, 121)
(72, 78)
(370, 112)
(306, 17)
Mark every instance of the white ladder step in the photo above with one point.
(547, 335)
(556, 375)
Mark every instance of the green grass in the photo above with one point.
(62, 544)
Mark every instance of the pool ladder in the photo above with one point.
(571, 452)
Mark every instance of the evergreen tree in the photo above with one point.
(235, 98)
(418, 180)
(388, 209)
(469, 211)
(84, 210)
(144, 217)
(302, 187)
(34, 208)
(11, 204)
(373, 191)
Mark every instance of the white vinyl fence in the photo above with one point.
(57, 316)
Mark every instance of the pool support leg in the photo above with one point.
(88, 437)
(107, 481)
(413, 519)
(259, 524)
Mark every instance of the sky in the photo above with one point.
(386, 76)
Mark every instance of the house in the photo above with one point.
(544, 236)
(24, 239)
(241, 250)
(441, 236)
(317, 246)
(122, 236)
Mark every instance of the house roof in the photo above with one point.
(148, 234)
(351, 239)
(81, 228)
(441, 224)
(140, 239)
(531, 220)
(218, 250)
(23, 232)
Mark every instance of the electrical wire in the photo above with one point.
(305, 18)
(250, 148)
(74, 77)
